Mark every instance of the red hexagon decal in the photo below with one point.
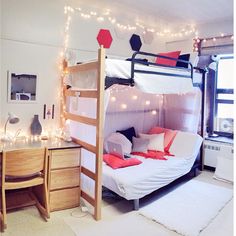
(104, 38)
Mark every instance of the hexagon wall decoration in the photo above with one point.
(135, 42)
(104, 38)
(148, 37)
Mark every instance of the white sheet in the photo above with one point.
(150, 83)
(137, 181)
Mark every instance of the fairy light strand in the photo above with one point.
(106, 15)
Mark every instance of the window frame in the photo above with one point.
(216, 101)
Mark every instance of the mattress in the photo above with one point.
(146, 82)
(137, 181)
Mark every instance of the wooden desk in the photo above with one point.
(63, 173)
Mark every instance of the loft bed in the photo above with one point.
(90, 80)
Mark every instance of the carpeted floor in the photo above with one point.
(117, 217)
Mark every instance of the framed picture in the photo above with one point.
(22, 88)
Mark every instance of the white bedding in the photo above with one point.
(150, 83)
(158, 84)
(137, 181)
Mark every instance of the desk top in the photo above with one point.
(51, 144)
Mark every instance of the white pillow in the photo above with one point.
(156, 141)
(120, 139)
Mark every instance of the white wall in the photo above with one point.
(31, 40)
(205, 31)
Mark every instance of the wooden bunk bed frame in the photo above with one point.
(98, 122)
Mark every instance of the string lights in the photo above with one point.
(222, 39)
(107, 15)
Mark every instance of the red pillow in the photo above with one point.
(168, 138)
(168, 62)
(115, 162)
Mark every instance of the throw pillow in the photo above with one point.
(128, 133)
(156, 141)
(168, 62)
(115, 162)
(168, 138)
(184, 57)
(140, 145)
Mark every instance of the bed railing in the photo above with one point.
(134, 61)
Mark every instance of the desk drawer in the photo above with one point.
(64, 158)
(65, 178)
(63, 199)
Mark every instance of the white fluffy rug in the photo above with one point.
(189, 208)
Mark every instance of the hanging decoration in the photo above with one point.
(104, 38)
(135, 42)
(148, 37)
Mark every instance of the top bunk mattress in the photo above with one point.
(168, 80)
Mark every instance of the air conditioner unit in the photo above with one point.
(213, 149)
(225, 125)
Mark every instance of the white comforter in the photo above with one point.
(150, 83)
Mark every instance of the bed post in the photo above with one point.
(203, 125)
(99, 132)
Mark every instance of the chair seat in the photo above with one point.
(23, 183)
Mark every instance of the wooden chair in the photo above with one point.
(26, 168)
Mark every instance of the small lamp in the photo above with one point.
(12, 119)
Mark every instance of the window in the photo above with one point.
(224, 96)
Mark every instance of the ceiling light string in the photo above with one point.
(107, 15)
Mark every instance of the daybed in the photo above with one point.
(135, 182)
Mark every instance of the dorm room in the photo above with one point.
(153, 91)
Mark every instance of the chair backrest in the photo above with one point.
(24, 162)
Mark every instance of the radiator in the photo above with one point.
(213, 149)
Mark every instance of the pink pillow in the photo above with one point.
(168, 138)
(168, 62)
(115, 162)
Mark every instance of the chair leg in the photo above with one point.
(47, 208)
(44, 210)
(4, 210)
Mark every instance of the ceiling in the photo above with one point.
(172, 11)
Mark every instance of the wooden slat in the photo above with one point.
(99, 133)
(87, 146)
(88, 198)
(88, 173)
(83, 67)
(83, 93)
(82, 119)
